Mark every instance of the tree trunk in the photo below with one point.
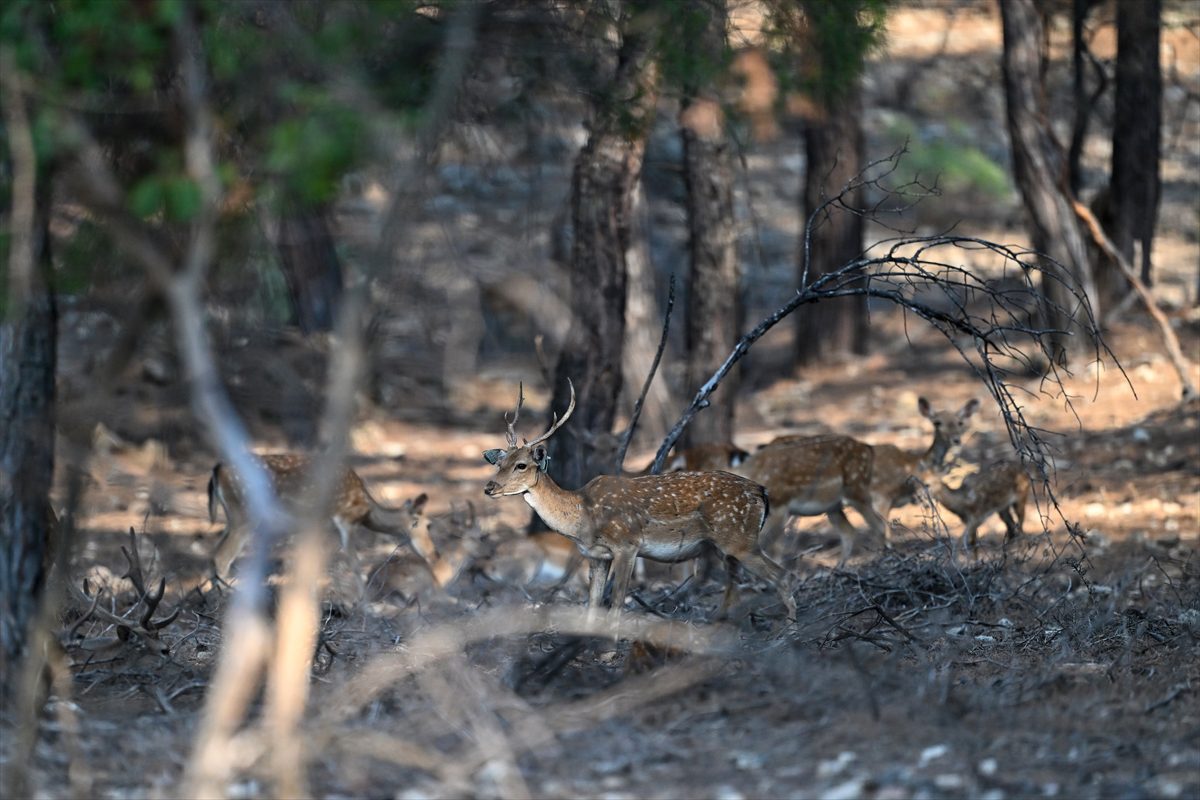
(309, 262)
(1040, 172)
(833, 143)
(602, 189)
(714, 308)
(1137, 123)
(28, 355)
(643, 329)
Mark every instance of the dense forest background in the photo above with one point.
(361, 229)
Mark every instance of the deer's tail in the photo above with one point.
(214, 490)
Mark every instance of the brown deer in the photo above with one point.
(291, 478)
(1000, 488)
(614, 519)
(821, 474)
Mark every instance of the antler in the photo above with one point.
(512, 432)
(558, 423)
(146, 626)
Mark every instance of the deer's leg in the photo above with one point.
(772, 529)
(1012, 528)
(768, 570)
(845, 530)
(876, 514)
(344, 529)
(597, 580)
(970, 533)
(621, 569)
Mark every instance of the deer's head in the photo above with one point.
(520, 465)
(948, 426)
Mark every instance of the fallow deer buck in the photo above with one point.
(291, 478)
(822, 474)
(1000, 488)
(614, 519)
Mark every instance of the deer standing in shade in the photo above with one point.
(815, 475)
(614, 519)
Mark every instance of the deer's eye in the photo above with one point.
(522, 465)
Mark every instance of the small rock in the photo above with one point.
(992, 794)
(1140, 435)
(1004, 622)
(608, 767)
(835, 766)
(949, 781)
(1050, 789)
(157, 371)
(892, 793)
(934, 752)
(1167, 787)
(985, 639)
(245, 789)
(849, 790)
(748, 760)
(414, 794)
(1096, 510)
(988, 767)
(729, 793)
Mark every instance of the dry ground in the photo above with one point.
(1065, 666)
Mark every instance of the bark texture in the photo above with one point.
(714, 307)
(834, 146)
(28, 353)
(1040, 172)
(1137, 124)
(310, 266)
(602, 190)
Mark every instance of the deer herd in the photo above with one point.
(718, 498)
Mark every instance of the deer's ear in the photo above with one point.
(738, 457)
(540, 456)
(493, 456)
(417, 504)
(924, 407)
(970, 408)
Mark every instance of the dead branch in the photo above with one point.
(627, 437)
(987, 324)
(1170, 341)
(298, 617)
(433, 645)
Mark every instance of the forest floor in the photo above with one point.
(1064, 666)
(1067, 665)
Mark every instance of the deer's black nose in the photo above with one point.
(491, 488)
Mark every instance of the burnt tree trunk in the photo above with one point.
(310, 266)
(602, 190)
(1137, 122)
(1040, 172)
(714, 308)
(1085, 101)
(28, 337)
(833, 145)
